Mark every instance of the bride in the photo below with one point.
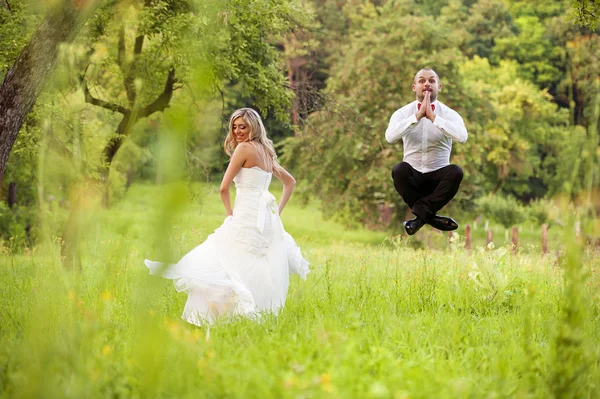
(243, 267)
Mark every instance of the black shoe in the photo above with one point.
(413, 225)
(443, 223)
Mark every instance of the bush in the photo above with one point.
(15, 226)
(505, 210)
(537, 211)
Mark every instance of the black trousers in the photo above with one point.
(426, 193)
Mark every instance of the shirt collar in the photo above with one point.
(436, 104)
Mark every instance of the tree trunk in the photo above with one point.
(115, 143)
(12, 194)
(110, 150)
(515, 238)
(490, 238)
(294, 100)
(468, 237)
(130, 176)
(545, 239)
(131, 117)
(24, 81)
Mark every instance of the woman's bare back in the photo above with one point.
(255, 160)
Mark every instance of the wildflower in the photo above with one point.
(106, 350)
(325, 378)
(290, 382)
(193, 336)
(172, 326)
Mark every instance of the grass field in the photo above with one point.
(375, 318)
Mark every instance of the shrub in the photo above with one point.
(505, 210)
(15, 226)
(537, 211)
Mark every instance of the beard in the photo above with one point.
(432, 96)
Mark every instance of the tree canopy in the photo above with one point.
(521, 75)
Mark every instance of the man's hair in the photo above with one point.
(426, 69)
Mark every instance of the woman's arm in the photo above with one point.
(288, 185)
(239, 157)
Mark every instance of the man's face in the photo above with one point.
(426, 81)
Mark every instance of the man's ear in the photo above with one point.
(440, 87)
(413, 87)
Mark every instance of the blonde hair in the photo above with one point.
(258, 136)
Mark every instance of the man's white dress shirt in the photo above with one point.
(427, 144)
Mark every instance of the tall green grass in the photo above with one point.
(375, 319)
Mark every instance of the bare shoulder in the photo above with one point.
(247, 152)
(241, 153)
(244, 147)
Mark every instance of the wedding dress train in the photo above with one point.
(242, 268)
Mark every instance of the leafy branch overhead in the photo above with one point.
(24, 81)
(586, 13)
(158, 44)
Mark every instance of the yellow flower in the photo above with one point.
(326, 384)
(106, 350)
(325, 378)
(106, 296)
(193, 336)
(172, 326)
(289, 382)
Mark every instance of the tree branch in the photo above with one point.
(128, 68)
(139, 42)
(128, 71)
(585, 13)
(8, 6)
(125, 67)
(163, 100)
(101, 103)
(129, 118)
(121, 48)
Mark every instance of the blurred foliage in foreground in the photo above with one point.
(375, 319)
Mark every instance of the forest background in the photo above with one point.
(144, 91)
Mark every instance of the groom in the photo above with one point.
(426, 180)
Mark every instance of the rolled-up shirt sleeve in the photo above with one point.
(452, 127)
(398, 126)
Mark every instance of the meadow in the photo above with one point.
(376, 317)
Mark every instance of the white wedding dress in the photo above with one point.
(242, 268)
